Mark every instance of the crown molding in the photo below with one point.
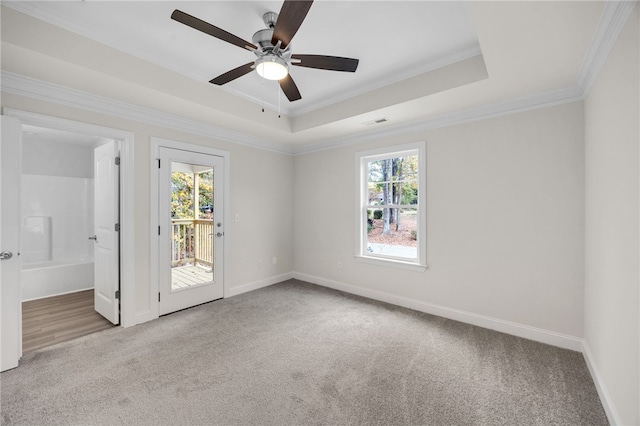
(54, 93)
(613, 20)
(523, 104)
(392, 79)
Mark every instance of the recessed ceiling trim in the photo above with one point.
(49, 92)
(60, 20)
(523, 104)
(396, 78)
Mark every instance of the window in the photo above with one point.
(390, 225)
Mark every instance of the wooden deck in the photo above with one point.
(187, 276)
(56, 319)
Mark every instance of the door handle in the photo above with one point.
(5, 255)
(94, 238)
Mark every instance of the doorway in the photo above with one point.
(69, 246)
(190, 228)
(12, 221)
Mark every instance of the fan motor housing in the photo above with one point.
(262, 39)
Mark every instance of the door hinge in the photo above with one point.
(117, 161)
(117, 227)
(158, 162)
(117, 294)
(158, 296)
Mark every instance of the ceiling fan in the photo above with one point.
(272, 47)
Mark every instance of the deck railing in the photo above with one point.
(192, 242)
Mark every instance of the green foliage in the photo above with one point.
(377, 214)
(396, 178)
(182, 193)
(206, 189)
(414, 234)
(206, 193)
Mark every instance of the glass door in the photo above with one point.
(191, 229)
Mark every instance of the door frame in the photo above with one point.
(128, 315)
(154, 240)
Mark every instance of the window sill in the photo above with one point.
(410, 266)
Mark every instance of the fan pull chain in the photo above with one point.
(278, 86)
(262, 94)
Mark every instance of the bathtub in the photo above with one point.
(51, 278)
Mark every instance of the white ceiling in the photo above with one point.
(418, 59)
(392, 40)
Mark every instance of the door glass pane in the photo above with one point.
(192, 215)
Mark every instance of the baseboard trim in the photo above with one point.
(603, 393)
(515, 329)
(58, 294)
(255, 285)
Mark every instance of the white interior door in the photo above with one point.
(10, 300)
(106, 237)
(191, 231)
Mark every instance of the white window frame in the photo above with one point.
(362, 201)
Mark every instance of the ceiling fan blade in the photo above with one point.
(212, 30)
(333, 63)
(233, 74)
(289, 20)
(289, 88)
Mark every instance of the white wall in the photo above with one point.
(57, 218)
(612, 322)
(55, 158)
(262, 196)
(56, 200)
(505, 224)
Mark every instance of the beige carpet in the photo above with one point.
(299, 354)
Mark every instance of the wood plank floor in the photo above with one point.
(56, 319)
(187, 276)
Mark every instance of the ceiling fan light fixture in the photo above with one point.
(272, 67)
(272, 46)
